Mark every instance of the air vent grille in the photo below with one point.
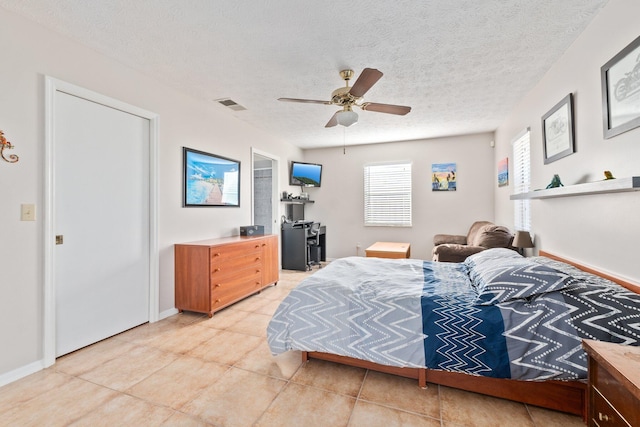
(230, 103)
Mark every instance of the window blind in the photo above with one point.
(387, 194)
(522, 179)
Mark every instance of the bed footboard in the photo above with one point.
(564, 396)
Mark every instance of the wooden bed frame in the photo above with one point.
(565, 396)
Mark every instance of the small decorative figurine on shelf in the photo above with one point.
(608, 175)
(555, 182)
(6, 144)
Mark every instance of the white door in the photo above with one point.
(101, 208)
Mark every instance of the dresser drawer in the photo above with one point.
(225, 293)
(603, 414)
(623, 402)
(235, 250)
(227, 273)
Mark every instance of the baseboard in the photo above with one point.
(22, 372)
(167, 313)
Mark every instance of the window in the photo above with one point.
(522, 180)
(387, 194)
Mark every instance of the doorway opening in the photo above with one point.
(265, 201)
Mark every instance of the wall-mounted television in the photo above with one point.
(210, 180)
(305, 174)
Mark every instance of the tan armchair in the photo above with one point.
(482, 235)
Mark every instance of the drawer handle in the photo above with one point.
(216, 301)
(258, 271)
(603, 417)
(216, 254)
(217, 269)
(257, 246)
(258, 259)
(264, 244)
(218, 285)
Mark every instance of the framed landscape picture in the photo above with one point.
(503, 172)
(210, 180)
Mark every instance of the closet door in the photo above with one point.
(101, 220)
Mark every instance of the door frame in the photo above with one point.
(52, 86)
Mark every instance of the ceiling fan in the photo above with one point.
(348, 97)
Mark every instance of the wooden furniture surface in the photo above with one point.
(565, 396)
(212, 274)
(614, 384)
(389, 250)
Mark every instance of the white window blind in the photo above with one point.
(387, 194)
(522, 179)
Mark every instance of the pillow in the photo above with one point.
(491, 254)
(492, 236)
(499, 281)
(487, 256)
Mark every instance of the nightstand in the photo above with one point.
(614, 384)
(389, 250)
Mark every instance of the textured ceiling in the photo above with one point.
(461, 65)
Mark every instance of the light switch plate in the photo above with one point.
(27, 212)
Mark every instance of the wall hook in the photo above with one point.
(6, 144)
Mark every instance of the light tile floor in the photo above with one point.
(190, 370)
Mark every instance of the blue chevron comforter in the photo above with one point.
(497, 314)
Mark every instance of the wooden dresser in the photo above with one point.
(614, 384)
(212, 274)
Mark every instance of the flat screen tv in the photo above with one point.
(305, 174)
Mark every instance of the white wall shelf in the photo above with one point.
(617, 185)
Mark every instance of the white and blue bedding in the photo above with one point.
(497, 314)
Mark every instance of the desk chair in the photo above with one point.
(313, 242)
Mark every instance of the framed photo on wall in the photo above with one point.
(557, 131)
(210, 180)
(443, 177)
(503, 172)
(620, 79)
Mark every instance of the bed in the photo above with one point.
(498, 323)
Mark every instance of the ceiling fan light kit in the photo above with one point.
(347, 118)
(348, 97)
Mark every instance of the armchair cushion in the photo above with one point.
(482, 235)
(451, 252)
(443, 239)
(493, 236)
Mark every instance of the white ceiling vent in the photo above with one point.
(230, 103)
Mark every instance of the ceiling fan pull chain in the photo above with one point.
(344, 140)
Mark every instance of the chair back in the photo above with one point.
(475, 228)
(314, 232)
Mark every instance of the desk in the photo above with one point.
(294, 245)
(389, 250)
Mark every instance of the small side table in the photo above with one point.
(614, 384)
(389, 250)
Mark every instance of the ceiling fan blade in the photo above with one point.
(334, 121)
(400, 110)
(368, 78)
(307, 101)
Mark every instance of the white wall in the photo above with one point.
(601, 230)
(339, 203)
(28, 53)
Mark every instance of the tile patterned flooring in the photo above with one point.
(189, 370)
